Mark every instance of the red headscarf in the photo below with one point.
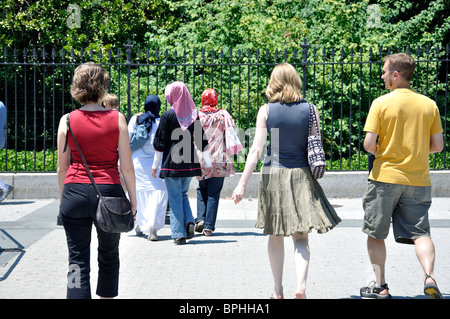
(209, 101)
(177, 94)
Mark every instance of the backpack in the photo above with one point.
(140, 135)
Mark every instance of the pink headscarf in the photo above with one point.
(178, 96)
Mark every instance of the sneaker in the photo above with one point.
(153, 235)
(5, 192)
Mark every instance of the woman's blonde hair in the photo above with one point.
(90, 83)
(285, 84)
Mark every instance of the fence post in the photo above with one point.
(305, 48)
(128, 46)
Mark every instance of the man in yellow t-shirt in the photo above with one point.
(403, 127)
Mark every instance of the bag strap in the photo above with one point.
(228, 120)
(313, 120)
(82, 157)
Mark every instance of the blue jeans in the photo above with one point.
(180, 210)
(208, 195)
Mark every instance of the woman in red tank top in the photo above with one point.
(103, 137)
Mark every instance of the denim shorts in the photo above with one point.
(406, 206)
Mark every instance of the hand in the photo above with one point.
(154, 172)
(238, 194)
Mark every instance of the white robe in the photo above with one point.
(151, 193)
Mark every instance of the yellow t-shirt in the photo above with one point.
(404, 120)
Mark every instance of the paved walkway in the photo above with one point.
(233, 263)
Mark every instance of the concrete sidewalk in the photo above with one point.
(231, 264)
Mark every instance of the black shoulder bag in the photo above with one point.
(113, 214)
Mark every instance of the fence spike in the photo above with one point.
(128, 47)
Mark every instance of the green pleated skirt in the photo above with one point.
(290, 201)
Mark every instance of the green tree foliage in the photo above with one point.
(79, 24)
(218, 24)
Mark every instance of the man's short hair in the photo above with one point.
(402, 63)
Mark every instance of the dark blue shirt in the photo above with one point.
(287, 125)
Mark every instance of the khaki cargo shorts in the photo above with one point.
(406, 206)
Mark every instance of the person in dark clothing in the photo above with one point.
(101, 135)
(178, 130)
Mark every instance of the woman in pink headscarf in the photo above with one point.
(179, 128)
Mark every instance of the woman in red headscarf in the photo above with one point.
(215, 123)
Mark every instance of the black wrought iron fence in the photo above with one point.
(341, 82)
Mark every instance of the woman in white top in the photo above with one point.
(151, 192)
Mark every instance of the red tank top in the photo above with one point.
(97, 134)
